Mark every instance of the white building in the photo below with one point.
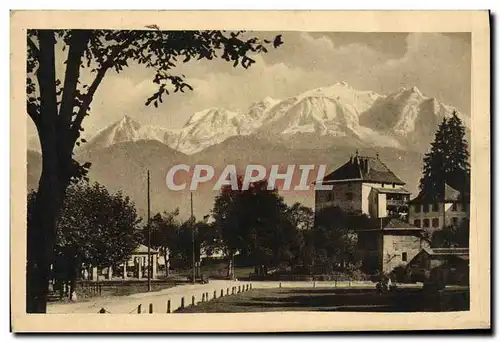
(432, 214)
(367, 186)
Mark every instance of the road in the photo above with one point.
(159, 299)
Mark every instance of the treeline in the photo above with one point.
(259, 228)
(95, 228)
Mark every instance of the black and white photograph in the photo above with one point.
(184, 171)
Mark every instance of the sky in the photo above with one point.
(438, 64)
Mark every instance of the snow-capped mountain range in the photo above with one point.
(405, 119)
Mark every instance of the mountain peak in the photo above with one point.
(411, 91)
(415, 90)
(344, 84)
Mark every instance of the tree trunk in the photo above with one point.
(41, 230)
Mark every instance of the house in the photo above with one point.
(134, 267)
(388, 245)
(367, 186)
(431, 214)
(454, 260)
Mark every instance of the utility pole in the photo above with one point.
(149, 239)
(192, 229)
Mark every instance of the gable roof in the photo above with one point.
(396, 224)
(366, 169)
(142, 249)
(450, 195)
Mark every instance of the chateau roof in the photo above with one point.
(366, 169)
(450, 195)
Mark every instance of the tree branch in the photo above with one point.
(87, 100)
(77, 45)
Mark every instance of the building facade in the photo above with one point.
(432, 215)
(365, 185)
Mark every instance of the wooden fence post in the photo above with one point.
(182, 303)
(280, 284)
(222, 292)
(192, 301)
(239, 288)
(215, 294)
(150, 308)
(203, 298)
(168, 306)
(139, 308)
(227, 292)
(250, 286)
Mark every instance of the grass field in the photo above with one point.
(328, 299)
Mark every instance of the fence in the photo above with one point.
(168, 306)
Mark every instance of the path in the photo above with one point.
(129, 304)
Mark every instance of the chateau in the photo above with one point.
(365, 185)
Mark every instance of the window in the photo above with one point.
(426, 208)
(454, 207)
(435, 207)
(404, 256)
(426, 223)
(435, 222)
(416, 223)
(454, 221)
(417, 208)
(348, 196)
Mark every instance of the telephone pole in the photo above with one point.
(149, 240)
(192, 228)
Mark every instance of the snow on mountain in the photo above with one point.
(252, 119)
(332, 111)
(409, 116)
(126, 130)
(206, 128)
(344, 93)
(405, 119)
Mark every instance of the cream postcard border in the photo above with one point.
(476, 22)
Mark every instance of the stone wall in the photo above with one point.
(399, 250)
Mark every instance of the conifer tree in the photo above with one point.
(447, 162)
